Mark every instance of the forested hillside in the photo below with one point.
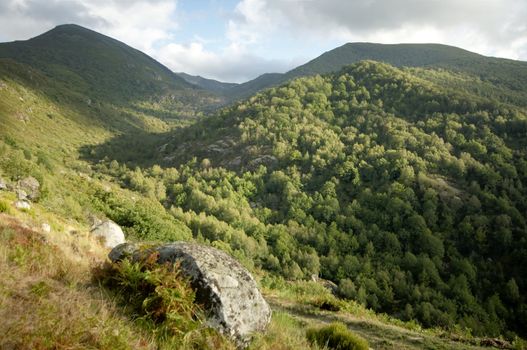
(508, 76)
(404, 186)
(408, 194)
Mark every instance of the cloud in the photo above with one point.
(493, 27)
(233, 64)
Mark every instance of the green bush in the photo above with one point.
(4, 207)
(162, 302)
(157, 293)
(337, 336)
(328, 303)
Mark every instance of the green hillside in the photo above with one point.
(507, 74)
(104, 69)
(405, 187)
(407, 195)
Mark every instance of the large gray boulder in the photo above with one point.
(109, 232)
(229, 293)
(31, 186)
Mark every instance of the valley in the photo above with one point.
(397, 172)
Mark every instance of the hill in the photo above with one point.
(81, 58)
(508, 74)
(407, 195)
(207, 84)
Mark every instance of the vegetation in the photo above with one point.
(404, 187)
(406, 195)
(161, 300)
(337, 336)
(508, 77)
(45, 301)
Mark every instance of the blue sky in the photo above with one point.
(237, 40)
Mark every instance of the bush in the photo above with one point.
(328, 303)
(157, 293)
(4, 207)
(336, 336)
(162, 301)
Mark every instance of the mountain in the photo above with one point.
(72, 86)
(371, 188)
(90, 62)
(207, 84)
(511, 75)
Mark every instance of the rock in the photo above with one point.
(236, 162)
(22, 205)
(266, 160)
(109, 232)
(21, 194)
(3, 184)
(495, 343)
(31, 186)
(226, 289)
(45, 228)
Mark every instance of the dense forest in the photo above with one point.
(407, 194)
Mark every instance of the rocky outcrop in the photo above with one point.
(226, 289)
(31, 186)
(109, 232)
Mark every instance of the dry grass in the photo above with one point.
(46, 299)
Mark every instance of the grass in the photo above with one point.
(47, 301)
(337, 336)
(48, 298)
(162, 302)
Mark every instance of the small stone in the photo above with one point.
(45, 228)
(21, 194)
(31, 186)
(22, 205)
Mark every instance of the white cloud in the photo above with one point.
(492, 27)
(233, 64)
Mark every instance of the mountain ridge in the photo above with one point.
(400, 55)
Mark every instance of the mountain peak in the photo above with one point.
(112, 68)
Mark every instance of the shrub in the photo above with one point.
(4, 207)
(162, 301)
(154, 292)
(328, 303)
(337, 336)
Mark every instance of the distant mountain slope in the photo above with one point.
(207, 84)
(509, 74)
(96, 65)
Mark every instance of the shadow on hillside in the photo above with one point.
(135, 148)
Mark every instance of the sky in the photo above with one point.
(237, 40)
